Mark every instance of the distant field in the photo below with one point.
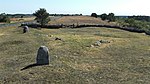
(13, 20)
(125, 60)
(78, 20)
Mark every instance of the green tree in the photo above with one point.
(42, 16)
(111, 17)
(94, 15)
(103, 16)
(4, 18)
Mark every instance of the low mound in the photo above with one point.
(78, 20)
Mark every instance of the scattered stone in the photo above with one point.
(92, 46)
(104, 41)
(58, 38)
(42, 56)
(25, 29)
(97, 43)
(50, 35)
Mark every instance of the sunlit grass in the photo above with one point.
(72, 60)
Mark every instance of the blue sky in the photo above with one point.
(119, 7)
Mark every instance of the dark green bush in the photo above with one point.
(4, 18)
(103, 16)
(136, 24)
(94, 15)
(110, 17)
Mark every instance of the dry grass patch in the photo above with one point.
(69, 20)
(13, 20)
(2, 34)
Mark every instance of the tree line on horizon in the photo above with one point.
(110, 17)
(65, 14)
(42, 17)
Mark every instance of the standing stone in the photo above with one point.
(42, 56)
(25, 29)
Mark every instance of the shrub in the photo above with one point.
(94, 15)
(110, 17)
(136, 24)
(4, 18)
(103, 16)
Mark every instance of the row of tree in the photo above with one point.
(19, 15)
(65, 14)
(110, 17)
(141, 18)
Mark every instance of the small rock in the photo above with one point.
(50, 35)
(97, 43)
(104, 41)
(92, 46)
(58, 38)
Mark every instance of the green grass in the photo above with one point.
(125, 60)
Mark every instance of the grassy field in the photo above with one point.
(78, 20)
(14, 20)
(125, 60)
